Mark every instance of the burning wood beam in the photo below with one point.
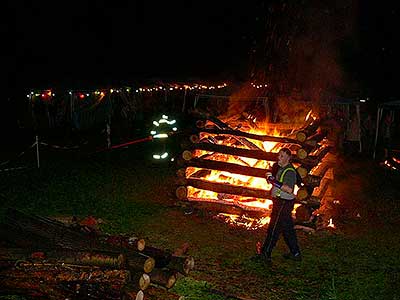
(223, 188)
(263, 138)
(228, 167)
(228, 207)
(308, 130)
(257, 154)
(309, 180)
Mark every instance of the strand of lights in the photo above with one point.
(259, 86)
(148, 89)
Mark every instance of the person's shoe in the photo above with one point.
(289, 255)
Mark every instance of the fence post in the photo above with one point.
(37, 151)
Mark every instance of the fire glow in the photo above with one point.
(262, 205)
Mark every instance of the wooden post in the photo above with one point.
(37, 152)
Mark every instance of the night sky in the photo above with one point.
(92, 43)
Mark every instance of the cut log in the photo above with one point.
(302, 193)
(165, 259)
(228, 208)
(140, 261)
(257, 154)
(310, 129)
(181, 264)
(161, 257)
(228, 167)
(36, 231)
(181, 192)
(303, 213)
(240, 139)
(139, 281)
(163, 277)
(226, 188)
(263, 138)
(51, 281)
(312, 180)
(311, 202)
(108, 260)
(131, 294)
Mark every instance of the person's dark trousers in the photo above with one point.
(281, 222)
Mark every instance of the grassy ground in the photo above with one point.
(358, 260)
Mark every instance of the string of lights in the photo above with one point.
(48, 93)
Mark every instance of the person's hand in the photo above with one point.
(272, 180)
(268, 174)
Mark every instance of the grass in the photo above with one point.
(359, 260)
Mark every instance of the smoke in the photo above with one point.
(303, 45)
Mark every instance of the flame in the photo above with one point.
(308, 115)
(246, 203)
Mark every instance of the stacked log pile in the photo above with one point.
(216, 141)
(44, 258)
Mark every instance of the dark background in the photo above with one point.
(94, 43)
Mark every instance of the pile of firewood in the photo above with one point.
(45, 258)
(215, 141)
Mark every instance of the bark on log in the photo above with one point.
(163, 277)
(257, 154)
(37, 231)
(110, 260)
(132, 294)
(227, 208)
(225, 189)
(303, 213)
(312, 202)
(302, 193)
(63, 281)
(310, 129)
(263, 138)
(139, 281)
(312, 160)
(228, 167)
(181, 264)
(224, 126)
(165, 259)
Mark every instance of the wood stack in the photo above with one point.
(218, 146)
(44, 258)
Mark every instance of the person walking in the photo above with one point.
(281, 221)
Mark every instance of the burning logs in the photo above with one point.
(52, 271)
(308, 130)
(223, 188)
(223, 168)
(257, 154)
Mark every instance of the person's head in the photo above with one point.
(284, 156)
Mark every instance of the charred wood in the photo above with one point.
(228, 167)
(228, 188)
(257, 154)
